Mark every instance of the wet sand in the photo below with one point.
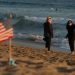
(32, 61)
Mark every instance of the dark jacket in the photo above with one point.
(48, 30)
(71, 31)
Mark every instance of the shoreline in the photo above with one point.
(16, 43)
(37, 45)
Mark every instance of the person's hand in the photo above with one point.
(44, 39)
(52, 36)
(66, 36)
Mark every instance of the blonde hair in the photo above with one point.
(49, 17)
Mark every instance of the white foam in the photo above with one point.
(43, 19)
(34, 18)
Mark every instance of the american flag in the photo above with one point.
(5, 34)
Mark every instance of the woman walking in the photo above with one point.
(48, 32)
(71, 35)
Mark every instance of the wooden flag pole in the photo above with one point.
(11, 61)
(10, 49)
(10, 41)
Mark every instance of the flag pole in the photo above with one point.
(10, 49)
(11, 60)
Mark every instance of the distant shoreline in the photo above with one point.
(35, 45)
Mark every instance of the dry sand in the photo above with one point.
(31, 61)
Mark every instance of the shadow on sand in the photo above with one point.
(3, 63)
(65, 70)
(8, 69)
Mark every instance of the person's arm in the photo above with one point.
(67, 30)
(44, 38)
(44, 29)
(66, 35)
(74, 26)
(51, 30)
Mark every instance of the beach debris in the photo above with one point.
(12, 62)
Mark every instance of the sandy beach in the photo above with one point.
(31, 61)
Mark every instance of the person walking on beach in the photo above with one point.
(71, 35)
(48, 32)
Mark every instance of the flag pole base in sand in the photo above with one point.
(12, 62)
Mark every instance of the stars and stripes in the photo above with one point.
(5, 34)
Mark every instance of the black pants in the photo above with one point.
(71, 44)
(48, 42)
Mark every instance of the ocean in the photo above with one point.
(29, 16)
